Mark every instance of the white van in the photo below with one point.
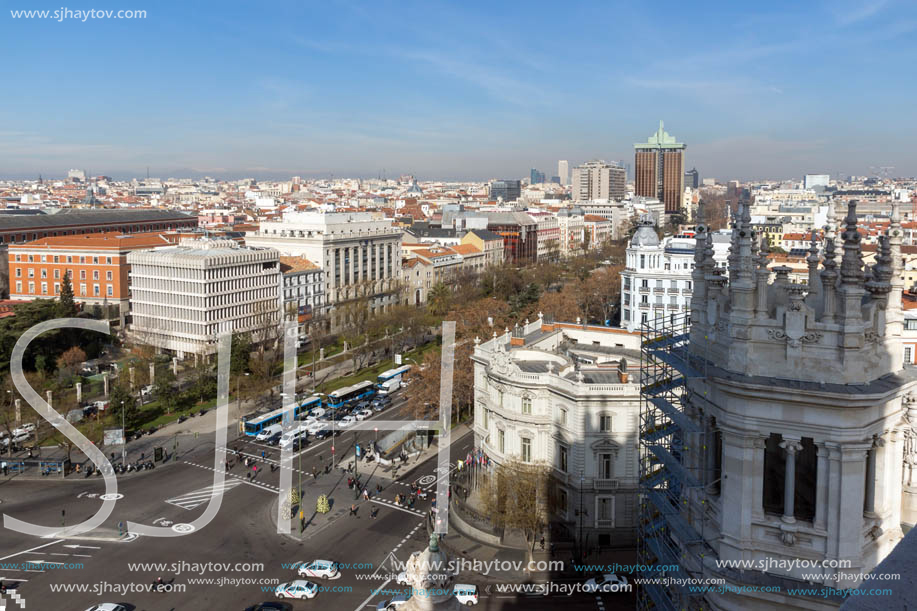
(466, 593)
(291, 436)
(269, 432)
(390, 386)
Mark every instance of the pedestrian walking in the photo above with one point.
(542, 542)
(262, 454)
(365, 494)
(374, 512)
(314, 476)
(353, 509)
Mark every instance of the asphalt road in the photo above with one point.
(101, 567)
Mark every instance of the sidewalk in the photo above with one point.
(340, 497)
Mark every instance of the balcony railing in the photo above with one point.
(659, 290)
(644, 289)
(606, 484)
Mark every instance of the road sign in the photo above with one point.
(358, 450)
(113, 437)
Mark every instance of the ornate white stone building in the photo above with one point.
(183, 297)
(359, 253)
(555, 393)
(789, 436)
(656, 280)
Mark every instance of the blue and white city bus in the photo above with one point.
(257, 424)
(349, 394)
(392, 374)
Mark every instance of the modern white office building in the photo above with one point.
(563, 170)
(566, 396)
(656, 280)
(183, 297)
(359, 253)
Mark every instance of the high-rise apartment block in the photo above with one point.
(563, 170)
(599, 180)
(536, 177)
(660, 173)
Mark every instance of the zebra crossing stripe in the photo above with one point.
(199, 497)
(19, 600)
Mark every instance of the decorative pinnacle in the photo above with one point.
(852, 262)
(830, 261)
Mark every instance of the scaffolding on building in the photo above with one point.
(675, 468)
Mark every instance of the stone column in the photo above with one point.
(105, 383)
(821, 486)
(152, 372)
(48, 395)
(175, 365)
(872, 457)
(18, 412)
(130, 371)
(79, 393)
(791, 446)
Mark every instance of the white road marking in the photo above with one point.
(196, 498)
(29, 551)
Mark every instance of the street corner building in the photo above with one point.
(563, 394)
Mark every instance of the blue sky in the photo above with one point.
(463, 90)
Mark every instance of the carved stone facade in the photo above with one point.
(563, 395)
(804, 387)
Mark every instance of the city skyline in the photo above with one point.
(440, 94)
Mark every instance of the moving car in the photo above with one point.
(269, 432)
(609, 582)
(363, 414)
(346, 421)
(394, 603)
(296, 589)
(402, 579)
(107, 607)
(318, 568)
(466, 593)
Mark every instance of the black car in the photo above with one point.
(274, 439)
(323, 433)
(270, 606)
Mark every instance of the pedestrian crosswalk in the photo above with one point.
(198, 497)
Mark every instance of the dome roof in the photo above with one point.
(646, 233)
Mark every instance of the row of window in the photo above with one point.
(30, 273)
(605, 420)
(81, 291)
(60, 259)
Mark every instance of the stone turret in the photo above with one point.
(838, 326)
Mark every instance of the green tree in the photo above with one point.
(66, 307)
(165, 388)
(439, 299)
(239, 352)
(123, 399)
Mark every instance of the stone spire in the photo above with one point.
(831, 224)
(852, 261)
(812, 261)
(742, 284)
(762, 275)
(733, 257)
(879, 285)
(699, 295)
(852, 276)
(829, 282)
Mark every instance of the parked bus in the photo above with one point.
(258, 423)
(349, 394)
(392, 374)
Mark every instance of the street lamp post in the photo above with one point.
(123, 437)
(239, 404)
(356, 468)
(581, 485)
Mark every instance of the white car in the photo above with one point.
(402, 579)
(346, 421)
(363, 414)
(296, 589)
(319, 568)
(609, 582)
(315, 427)
(466, 594)
(21, 437)
(316, 413)
(28, 427)
(107, 607)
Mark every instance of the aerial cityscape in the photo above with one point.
(323, 310)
